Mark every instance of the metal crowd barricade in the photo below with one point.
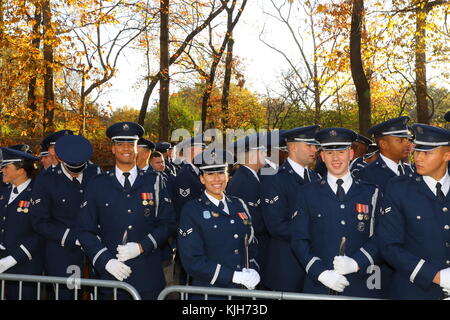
(252, 294)
(76, 283)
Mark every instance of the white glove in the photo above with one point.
(445, 278)
(129, 251)
(333, 280)
(248, 277)
(118, 269)
(7, 263)
(345, 265)
(447, 292)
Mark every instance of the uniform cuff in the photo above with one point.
(364, 259)
(423, 274)
(314, 268)
(222, 276)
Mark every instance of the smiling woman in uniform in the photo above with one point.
(216, 240)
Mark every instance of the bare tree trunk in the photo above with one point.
(357, 68)
(226, 83)
(217, 57)
(31, 99)
(420, 67)
(164, 70)
(83, 102)
(49, 95)
(155, 79)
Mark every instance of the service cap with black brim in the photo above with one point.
(163, 146)
(335, 138)
(397, 127)
(371, 150)
(74, 152)
(191, 142)
(213, 160)
(275, 139)
(429, 137)
(44, 150)
(125, 132)
(13, 156)
(21, 147)
(147, 144)
(255, 141)
(360, 138)
(52, 138)
(302, 134)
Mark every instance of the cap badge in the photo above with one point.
(333, 133)
(126, 127)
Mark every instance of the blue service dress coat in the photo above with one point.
(357, 165)
(20, 240)
(379, 173)
(211, 242)
(279, 194)
(246, 186)
(54, 215)
(414, 233)
(145, 212)
(186, 187)
(319, 223)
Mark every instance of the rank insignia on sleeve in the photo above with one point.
(185, 193)
(386, 210)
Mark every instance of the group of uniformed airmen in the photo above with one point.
(366, 222)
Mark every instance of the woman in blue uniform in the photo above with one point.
(21, 248)
(216, 239)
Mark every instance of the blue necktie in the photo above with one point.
(127, 184)
(340, 191)
(440, 195)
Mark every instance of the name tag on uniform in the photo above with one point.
(206, 215)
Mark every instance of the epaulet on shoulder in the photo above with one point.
(101, 175)
(363, 182)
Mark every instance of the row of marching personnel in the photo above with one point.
(378, 229)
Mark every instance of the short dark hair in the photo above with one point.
(29, 166)
(156, 154)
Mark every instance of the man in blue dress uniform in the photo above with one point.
(187, 185)
(165, 148)
(21, 248)
(125, 218)
(279, 194)
(393, 140)
(216, 239)
(49, 144)
(360, 147)
(145, 148)
(245, 185)
(414, 229)
(44, 157)
(392, 137)
(57, 197)
(334, 222)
